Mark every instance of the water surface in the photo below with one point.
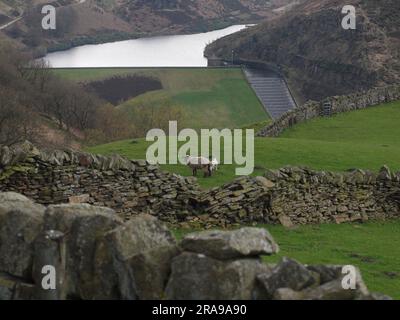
(163, 51)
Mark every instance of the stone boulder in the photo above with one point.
(5, 156)
(384, 174)
(18, 153)
(287, 274)
(21, 221)
(12, 288)
(198, 277)
(327, 273)
(6, 289)
(332, 290)
(287, 294)
(83, 226)
(135, 258)
(327, 284)
(245, 242)
(97, 255)
(264, 182)
(11, 198)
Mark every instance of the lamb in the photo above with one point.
(214, 164)
(199, 163)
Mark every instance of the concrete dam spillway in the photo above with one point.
(271, 89)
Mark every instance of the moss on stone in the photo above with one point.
(19, 168)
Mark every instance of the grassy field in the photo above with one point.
(364, 139)
(210, 98)
(373, 247)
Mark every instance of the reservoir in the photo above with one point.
(163, 51)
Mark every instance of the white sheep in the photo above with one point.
(199, 163)
(214, 164)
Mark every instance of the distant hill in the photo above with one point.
(94, 21)
(319, 57)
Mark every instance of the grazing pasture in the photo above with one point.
(208, 97)
(365, 139)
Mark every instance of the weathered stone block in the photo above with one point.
(84, 198)
(287, 274)
(198, 277)
(133, 261)
(21, 221)
(231, 244)
(84, 226)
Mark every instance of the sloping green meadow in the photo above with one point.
(208, 97)
(366, 139)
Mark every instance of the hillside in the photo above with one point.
(36, 104)
(189, 95)
(94, 21)
(319, 57)
(365, 139)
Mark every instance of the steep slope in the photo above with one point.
(94, 21)
(319, 57)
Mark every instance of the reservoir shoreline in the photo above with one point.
(158, 51)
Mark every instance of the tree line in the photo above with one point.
(33, 98)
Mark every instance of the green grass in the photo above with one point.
(365, 139)
(373, 247)
(209, 97)
(374, 126)
(138, 149)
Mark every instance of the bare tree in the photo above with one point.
(57, 95)
(82, 109)
(16, 122)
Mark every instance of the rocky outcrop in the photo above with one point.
(91, 22)
(96, 255)
(318, 56)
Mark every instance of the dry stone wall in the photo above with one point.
(293, 196)
(339, 104)
(288, 196)
(306, 196)
(129, 187)
(97, 255)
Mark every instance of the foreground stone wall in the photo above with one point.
(97, 255)
(340, 104)
(129, 187)
(289, 196)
